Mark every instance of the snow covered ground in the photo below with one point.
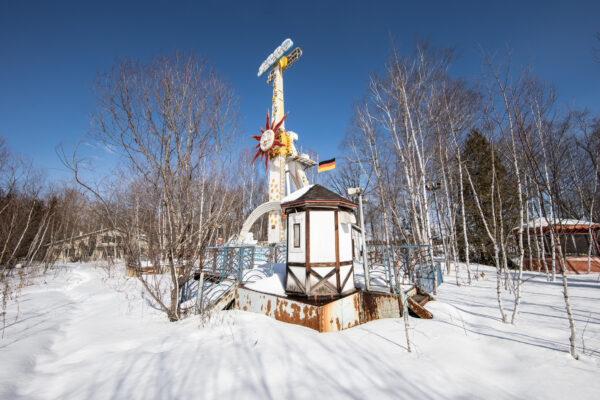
(84, 333)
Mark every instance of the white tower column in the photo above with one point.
(277, 163)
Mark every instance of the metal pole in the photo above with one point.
(443, 240)
(287, 181)
(433, 187)
(362, 227)
(200, 293)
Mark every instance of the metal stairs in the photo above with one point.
(213, 286)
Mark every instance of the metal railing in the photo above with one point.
(404, 264)
(225, 267)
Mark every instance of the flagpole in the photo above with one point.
(317, 176)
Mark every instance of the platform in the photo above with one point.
(333, 316)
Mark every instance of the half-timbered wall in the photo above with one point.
(316, 252)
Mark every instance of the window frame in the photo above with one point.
(297, 236)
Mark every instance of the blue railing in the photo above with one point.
(406, 264)
(225, 267)
(423, 276)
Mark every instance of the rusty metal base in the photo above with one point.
(332, 316)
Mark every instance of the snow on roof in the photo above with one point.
(82, 235)
(315, 194)
(295, 195)
(543, 222)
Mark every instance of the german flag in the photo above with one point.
(326, 165)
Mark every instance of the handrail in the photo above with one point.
(224, 268)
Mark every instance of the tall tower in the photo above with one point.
(277, 144)
(277, 164)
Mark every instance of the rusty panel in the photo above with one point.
(280, 308)
(332, 317)
(341, 314)
(411, 292)
(376, 306)
(418, 309)
(351, 310)
(346, 312)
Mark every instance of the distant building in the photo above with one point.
(574, 238)
(103, 244)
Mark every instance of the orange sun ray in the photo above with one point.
(276, 128)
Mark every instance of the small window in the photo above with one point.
(296, 235)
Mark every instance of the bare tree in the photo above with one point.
(171, 123)
(548, 173)
(507, 113)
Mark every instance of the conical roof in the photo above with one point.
(316, 195)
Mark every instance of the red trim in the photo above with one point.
(327, 164)
(582, 228)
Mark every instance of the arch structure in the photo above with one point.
(264, 208)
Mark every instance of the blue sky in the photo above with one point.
(50, 53)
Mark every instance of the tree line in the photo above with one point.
(180, 183)
(467, 165)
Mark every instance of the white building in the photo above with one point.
(319, 243)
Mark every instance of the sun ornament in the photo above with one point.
(269, 140)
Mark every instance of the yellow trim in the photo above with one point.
(283, 63)
(326, 168)
(286, 149)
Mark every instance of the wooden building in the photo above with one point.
(103, 244)
(575, 238)
(319, 243)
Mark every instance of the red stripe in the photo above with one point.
(326, 165)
